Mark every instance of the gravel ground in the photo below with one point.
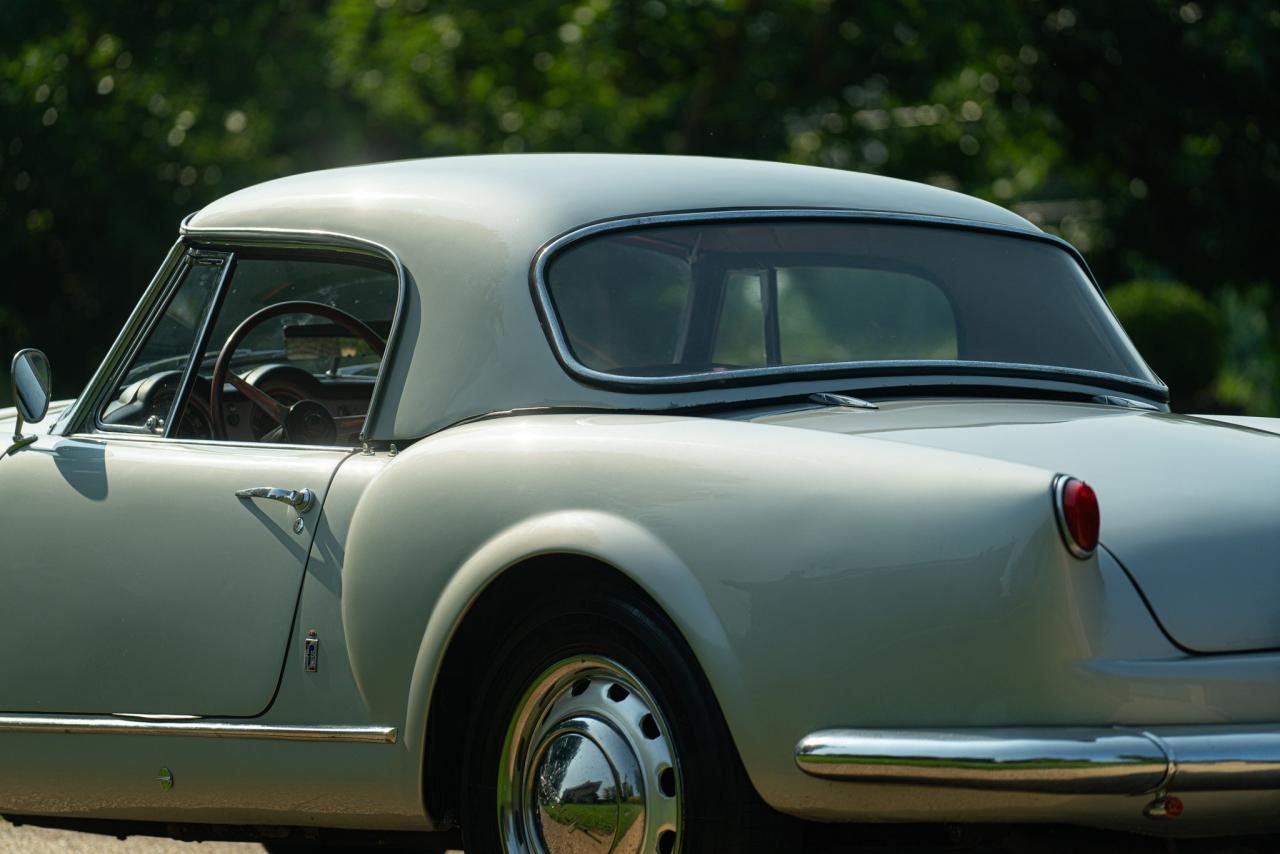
(39, 840)
(884, 840)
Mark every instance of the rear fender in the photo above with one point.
(631, 549)
(820, 580)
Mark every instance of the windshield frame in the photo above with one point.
(554, 330)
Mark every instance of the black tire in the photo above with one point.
(721, 811)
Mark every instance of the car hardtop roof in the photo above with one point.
(468, 338)
(562, 191)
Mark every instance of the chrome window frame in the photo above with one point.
(555, 333)
(168, 278)
(130, 337)
(185, 384)
(190, 257)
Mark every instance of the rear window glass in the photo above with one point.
(719, 297)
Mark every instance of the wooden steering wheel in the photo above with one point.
(306, 422)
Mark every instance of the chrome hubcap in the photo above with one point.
(588, 766)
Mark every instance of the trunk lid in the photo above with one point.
(1190, 506)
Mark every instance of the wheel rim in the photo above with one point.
(588, 766)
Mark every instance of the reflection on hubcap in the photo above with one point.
(588, 767)
(588, 788)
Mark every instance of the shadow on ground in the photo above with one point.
(1015, 839)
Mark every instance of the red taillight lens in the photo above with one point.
(1078, 515)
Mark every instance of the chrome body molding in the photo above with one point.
(136, 725)
(1059, 760)
(103, 438)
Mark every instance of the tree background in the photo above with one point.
(1144, 132)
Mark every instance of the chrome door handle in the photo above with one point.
(301, 500)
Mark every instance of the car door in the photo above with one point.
(135, 581)
(150, 569)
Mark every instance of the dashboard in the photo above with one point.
(146, 404)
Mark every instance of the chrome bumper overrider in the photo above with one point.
(1084, 761)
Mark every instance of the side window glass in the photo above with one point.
(143, 397)
(293, 351)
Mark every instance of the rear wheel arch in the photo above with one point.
(472, 643)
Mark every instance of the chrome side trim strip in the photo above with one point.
(84, 725)
(104, 438)
(1062, 761)
(1059, 760)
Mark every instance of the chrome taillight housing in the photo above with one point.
(1079, 520)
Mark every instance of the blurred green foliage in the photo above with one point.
(1144, 132)
(1250, 376)
(1178, 331)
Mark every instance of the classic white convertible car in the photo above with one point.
(633, 504)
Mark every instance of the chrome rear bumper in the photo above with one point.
(1083, 761)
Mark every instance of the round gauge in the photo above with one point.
(194, 424)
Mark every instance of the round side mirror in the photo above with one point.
(31, 384)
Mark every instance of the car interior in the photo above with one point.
(294, 344)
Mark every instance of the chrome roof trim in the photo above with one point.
(116, 725)
(749, 376)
